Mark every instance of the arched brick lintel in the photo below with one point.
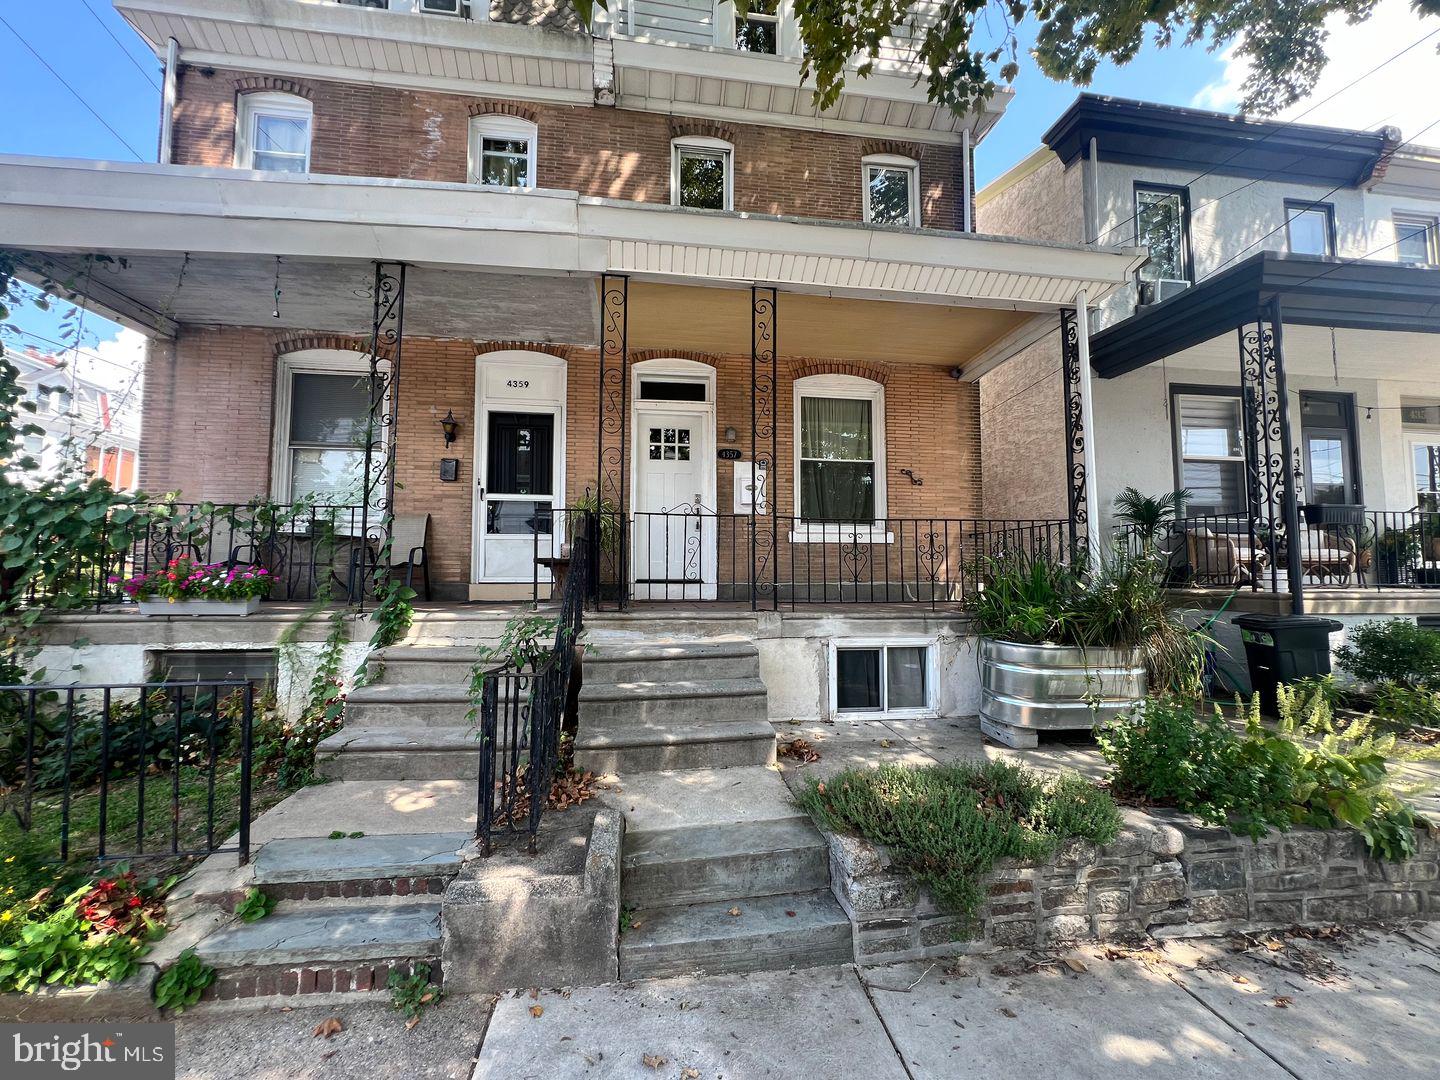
(549, 348)
(863, 369)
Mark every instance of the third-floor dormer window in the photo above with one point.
(1309, 228)
(758, 30)
(701, 176)
(273, 133)
(502, 151)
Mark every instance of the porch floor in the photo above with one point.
(1319, 600)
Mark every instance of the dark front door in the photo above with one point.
(519, 482)
(1327, 440)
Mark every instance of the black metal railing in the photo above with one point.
(130, 770)
(307, 550)
(691, 554)
(523, 709)
(1357, 549)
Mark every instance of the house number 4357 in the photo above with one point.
(518, 384)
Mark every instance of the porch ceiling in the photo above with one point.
(841, 328)
(147, 290)
(1388, 355)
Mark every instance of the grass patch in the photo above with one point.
(945, 826)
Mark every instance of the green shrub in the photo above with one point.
(65, 949)
(181, 984)
(1309, 770)
(1402, 707)
(946, 825)
(1395, 651)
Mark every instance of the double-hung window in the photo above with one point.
(892, 189)
(839, 445)
(1309, 228)
(323, 423)
(502, 151)
(1210, 451)
(701, 174)
(273, 133)
(1162, 224)
(758, 30)
(891, 678)
(1416, 239)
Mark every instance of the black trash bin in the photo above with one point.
(1283, 648)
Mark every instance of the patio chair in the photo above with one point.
(410, 547)
(1215, 559)
(1328, 554)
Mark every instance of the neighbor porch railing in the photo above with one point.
(158, 768)
(1340, 548)
(695, 555)
(309, 550)
(523, 708)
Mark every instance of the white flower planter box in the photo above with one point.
(200, 607)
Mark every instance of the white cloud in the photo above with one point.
(1397, 94)
(114, 363)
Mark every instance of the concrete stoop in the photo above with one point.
(349, 912)
(720, 871)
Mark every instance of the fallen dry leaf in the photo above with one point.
(410, 1024)
(801, 750)
(791, 914)
(1241, 979)
(653, 1061)
(733, 911)
(1283, 1001)
(328, 1027)
(1008, 1012)
(689, 1074)
(885, 743)
(1076, 965)
(537, 1011)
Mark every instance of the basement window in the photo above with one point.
(215, 665)
(890, 678)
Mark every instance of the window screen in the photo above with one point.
(206, 665)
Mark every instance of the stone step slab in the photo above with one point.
(660, 662)
(684, 701)
(418, 753)
(622, 748)
(724, 862)
(769, 933)
(330, 934)
(307, 860)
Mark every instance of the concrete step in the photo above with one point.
(671, 662)
(719, 862)
(682, 701)
(328, 935)
(765, 936)
(313, 860)
(414, 753)
(697, 798)
(432, 665)
(637, 748)
(383, 705)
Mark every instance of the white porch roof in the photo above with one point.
(472, 250)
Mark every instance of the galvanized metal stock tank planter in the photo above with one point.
(1027, 689)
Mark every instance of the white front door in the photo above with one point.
(674, 523)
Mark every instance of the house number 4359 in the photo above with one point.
(518, 384)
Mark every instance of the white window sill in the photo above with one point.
(817, 533)
(927, 713)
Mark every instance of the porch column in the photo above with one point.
(764, 432)
(612, 457)
(377, 507)
(1273, 509)
(1079, 417)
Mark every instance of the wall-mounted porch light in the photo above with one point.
(450, 426)
(731, 434)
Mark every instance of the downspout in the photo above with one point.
(167, 100)
(1091, 192)
(967, 182)
(1087, 423)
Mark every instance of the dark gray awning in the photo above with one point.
(1312, 290)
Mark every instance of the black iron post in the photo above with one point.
(764, 544)
(1075, 480)
(1289, 502)
(377, 506)
(611, 462)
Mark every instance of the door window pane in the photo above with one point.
(1307, 229)
(857, 680)
(702, 179)
(1426, 457)
(1325, 456)
(520, 459)
(1161, 226)
(517, 517)
(905, 678)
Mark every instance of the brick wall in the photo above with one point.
(612, 153)
(208, 418)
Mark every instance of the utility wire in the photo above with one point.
(1286, 124)
(75, 93)
(120, 45)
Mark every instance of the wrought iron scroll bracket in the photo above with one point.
(1076, 498)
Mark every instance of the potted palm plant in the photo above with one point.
(1147, 515)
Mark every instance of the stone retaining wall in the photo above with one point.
(1166, 874)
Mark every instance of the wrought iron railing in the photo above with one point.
(523, 708)
(692, 554)
(1339, 548)
(308, 550)
(161, 769)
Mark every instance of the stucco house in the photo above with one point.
(1275, 357)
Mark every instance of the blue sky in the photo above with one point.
(118, 77)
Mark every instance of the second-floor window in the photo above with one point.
(892, 187)
(502, 151)
(1416, 240)
(701, 175)
(273, 133)
(758, 30)
(1309, 228)
(1162, 224)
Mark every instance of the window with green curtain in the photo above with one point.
(837, 459)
